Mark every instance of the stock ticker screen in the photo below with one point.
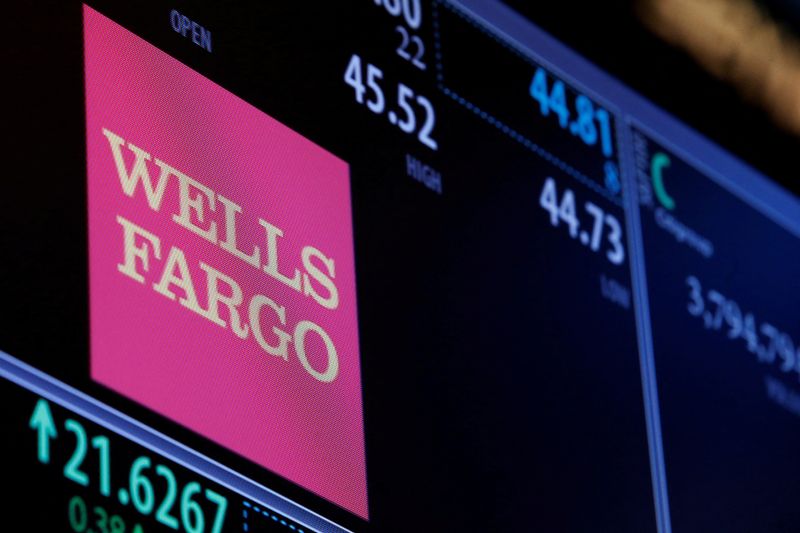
(386, 265)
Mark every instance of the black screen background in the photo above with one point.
(496, 379)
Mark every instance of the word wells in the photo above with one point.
(206, 290)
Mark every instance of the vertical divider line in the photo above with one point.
(437, 43)
(643, 329)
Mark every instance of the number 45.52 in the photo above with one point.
(411, 112)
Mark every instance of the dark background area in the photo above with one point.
(611, 35)
(469, 298)
(478, 394)
(730, 450)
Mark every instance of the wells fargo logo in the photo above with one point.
(222, 279)
(197, 204)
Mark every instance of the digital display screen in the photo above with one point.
(380, 266)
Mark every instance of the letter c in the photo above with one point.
(659, 162)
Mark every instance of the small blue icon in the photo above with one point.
(612, 178)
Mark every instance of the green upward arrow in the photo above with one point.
(42, 422)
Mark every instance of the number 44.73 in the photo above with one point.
(603, 225)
